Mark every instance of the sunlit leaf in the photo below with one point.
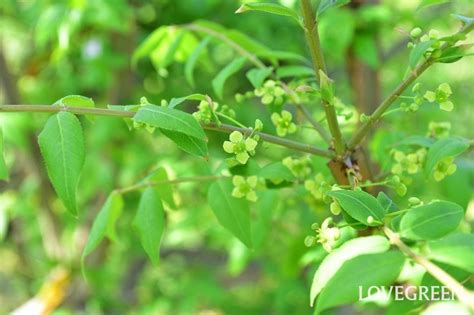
(271, 8)
(431, 221)
(454, 249)
(219, 81)
(104, 223)
(232, 213)
(149, 222)
(62, 146)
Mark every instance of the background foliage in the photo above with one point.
(56, 48)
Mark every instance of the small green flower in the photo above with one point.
(245, 187)
(283, 123)
(410, 163)
(439, 129)
(433, 34)
(204, 113)
(441, 96)
(328, 236)
(258, 125)
(242, 148)
(299, 167)
(396, 183)
(444, 168)
(414, 201)
(416, 32)
(318, 187)
(270, 93)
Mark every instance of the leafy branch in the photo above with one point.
(465, 296)
(298, 146)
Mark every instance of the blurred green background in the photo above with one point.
(50, 49)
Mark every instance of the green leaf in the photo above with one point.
(415, 140)
(3, 166)
(455, 53)
(150, 44)
(219, 81)
(418, 51)
(272, 8)
(386, 202)
(431, 221)
(232, 213)
(165, 191)
(62, 146)
(427, 3)
(149, 223)
(256, 76)
(294, 71)
(104, 223)
(454, 249)
(191, 145)
(333, 262)
(179, 100)
(327, 4)
(359, 205)
(265, 207)
(446, 307)
(276, 172)
(361, 272)
(75, 101)
(192, 60)
(180, 127)
(442, 149)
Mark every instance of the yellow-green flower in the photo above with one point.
(270, 93)
(327, 235)
(410, 163)
(299, 167)
(240, 146)
(283, 123)
(444, 168)
(439, 129)
(441, 95)
(318, 187)
(245, 187)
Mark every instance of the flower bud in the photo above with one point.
(416, 32)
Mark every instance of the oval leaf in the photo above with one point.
(272, 8)
(359, 273)
(224, 74)
(62, 146)
(431, 221)
(333, 262)
(104, 223)
(455, 249)
(232, 213)
(359, 205)
(418, 51)
(75, 101)
(442, 149)
(149, 222)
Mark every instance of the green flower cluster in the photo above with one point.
(325, 235)
(441, 96)
(439, 129)
(270, 93)
(444, 168)
(283, 123)
(245, 187)
(318, 187)
(411, 163)
(206, 114)
(299, 167)
(240, 146)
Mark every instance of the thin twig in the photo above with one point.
(168, 182)
(128, 114)
(465, 296)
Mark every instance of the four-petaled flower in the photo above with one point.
(283, 123)
(444, 168)
(441, 95)
(242, 148)
(245, 187)
(270, 92)
(299, 167)
(327, 235)
(411, 163)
